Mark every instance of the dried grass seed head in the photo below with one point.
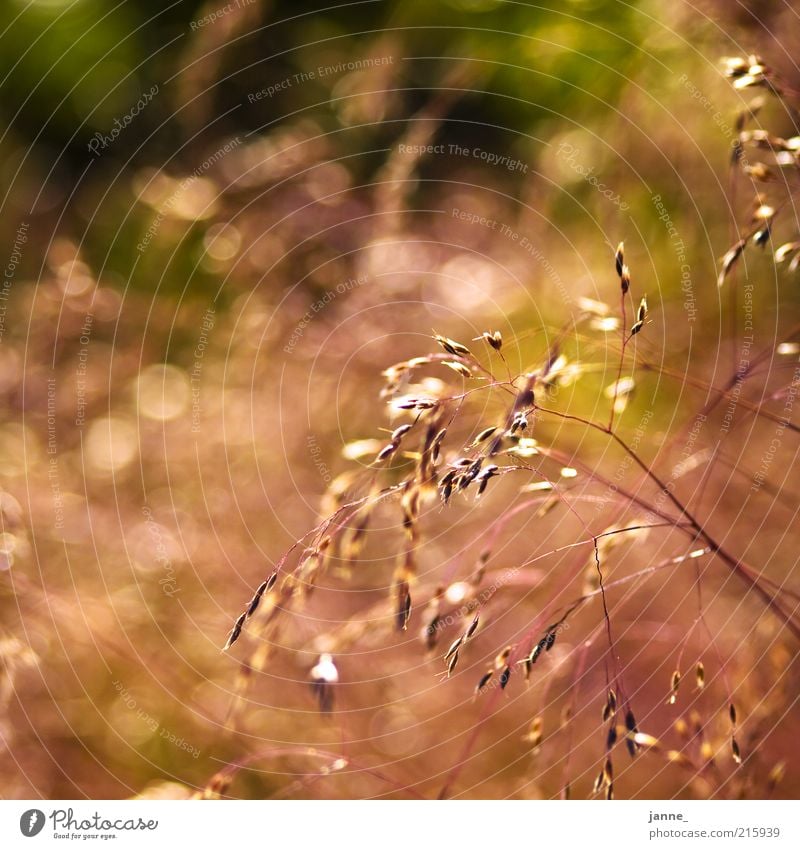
(451, 346)
(492, 338)
(674, 685)
(484, 680)
(235, 631)
(700, 675)
(472, 627)
(324, 676)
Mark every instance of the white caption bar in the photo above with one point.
(393, 824)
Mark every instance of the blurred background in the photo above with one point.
(221, 223)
